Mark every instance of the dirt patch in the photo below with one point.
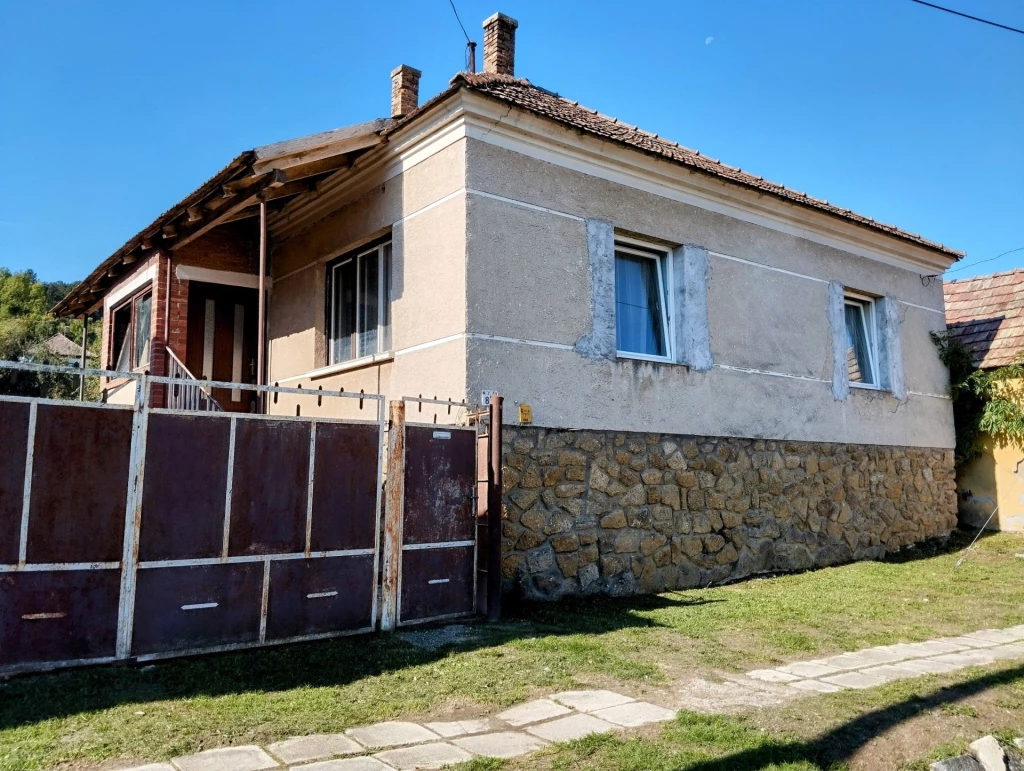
(729, 694)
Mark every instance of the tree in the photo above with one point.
(26, 322)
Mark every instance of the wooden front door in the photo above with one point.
(222, 340)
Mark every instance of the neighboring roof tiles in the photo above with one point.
(523, 94)
(986, 313)
(59, 345)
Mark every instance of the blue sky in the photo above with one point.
(110, 112)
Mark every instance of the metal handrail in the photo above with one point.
(194, 396)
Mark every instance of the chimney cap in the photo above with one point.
(403, 69)
(500, 17)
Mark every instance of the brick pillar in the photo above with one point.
(405, 90)
(500, 45)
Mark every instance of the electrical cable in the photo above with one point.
(968, 16)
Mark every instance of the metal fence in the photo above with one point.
(137, 531)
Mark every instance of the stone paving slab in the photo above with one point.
(247, 758)
(891, 672)
(152, 767)
(929, 667)
(817, 686)
(504, 744)
(532, 712)
(772, 676)
(436, 755)
(856, 680)
(970, 642)
(393, 733)
(993, 635)
(460, 727)
(965, 659)
(347, 764)
(1011, 651)
(809, 669)
(572, 727)
(635, 714)
(303, 749)
(590, 701)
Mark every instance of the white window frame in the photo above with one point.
(869, 309)
(334, 310)
(662, 259)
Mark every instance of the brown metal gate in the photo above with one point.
(134, 532)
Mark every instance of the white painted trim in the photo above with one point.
(129, 288)
(430, 344)
(524, 205)
(931, 396)
(345, 366)
(766, 267)
(225, 277)
(924, 308)
(750, 371)
(520, 341)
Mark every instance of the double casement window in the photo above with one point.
(642, 307)
(862, 351)
(130, 332)
(359, 315)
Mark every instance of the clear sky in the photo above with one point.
(112, 111)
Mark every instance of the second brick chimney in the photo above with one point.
(500, 44)
(405, 90)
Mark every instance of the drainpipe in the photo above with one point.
(261, 315)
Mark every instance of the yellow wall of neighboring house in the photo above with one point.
(995, 478)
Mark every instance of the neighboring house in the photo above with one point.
(60, 349)
(986, 313)
(726, 375)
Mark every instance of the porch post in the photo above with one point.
(261, 315)
(85, 359)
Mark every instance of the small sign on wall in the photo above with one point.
(525, 414)
(485, 398)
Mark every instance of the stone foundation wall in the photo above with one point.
(590, 512)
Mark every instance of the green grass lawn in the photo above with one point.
(85, 717)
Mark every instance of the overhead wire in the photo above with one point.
(968, 16)
(981, 262)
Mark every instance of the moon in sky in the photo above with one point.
(709, 41)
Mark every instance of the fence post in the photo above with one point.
(494, 494)
(394, 505)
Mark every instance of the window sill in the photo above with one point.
(866, 387)
(645, 357)
(345, 366)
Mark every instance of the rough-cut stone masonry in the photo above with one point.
(622, 513)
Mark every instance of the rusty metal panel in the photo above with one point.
(320, 595)
(270, 487)
(199, 606)
(345, 486)
(13, 446)
(439, 481)
(79, 484)
(58, 615)
(185, 483)
(436, 582)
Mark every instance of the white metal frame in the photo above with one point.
(381, 301)
(660, 256)
(868, 309)
(130, 563)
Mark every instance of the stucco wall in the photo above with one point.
(428, 226)
(994, 479)
(527, 233)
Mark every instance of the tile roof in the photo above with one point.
(986, 313)
(520, 93)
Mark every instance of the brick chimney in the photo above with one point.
(500, 44)
(405, 90)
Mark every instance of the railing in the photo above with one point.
(190, 395)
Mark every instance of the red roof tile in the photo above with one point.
(986, 313)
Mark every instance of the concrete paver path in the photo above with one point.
(525, 728)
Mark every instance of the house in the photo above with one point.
(725, 376)
(60, 349)
(986, 314)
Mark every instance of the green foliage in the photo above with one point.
(984, 401)
(26, 322)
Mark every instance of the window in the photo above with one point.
(131, 328)
(641, 302)
(359, 287)
(861, 341)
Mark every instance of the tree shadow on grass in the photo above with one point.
(841, 743)
(29, 699)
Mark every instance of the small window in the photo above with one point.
(641, 302)
(861, 341)
(360, 304)
(131, 333)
